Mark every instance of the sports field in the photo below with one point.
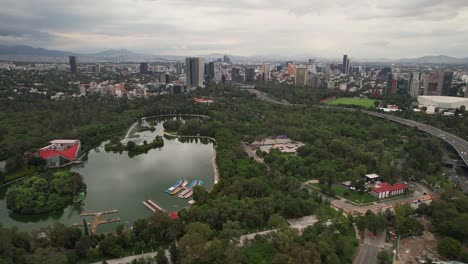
(352, 101)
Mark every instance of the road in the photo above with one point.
(129, 259)
(460, 145)
(368, 250)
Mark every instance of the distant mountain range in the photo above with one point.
(23, 53)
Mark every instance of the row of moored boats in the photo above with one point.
(182, 188)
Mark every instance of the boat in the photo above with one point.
(184, 183)
(173, 187)
(187, 195)
(178, 189)
(192, 202)
(184, 192)
(194, 182)
(80, 197)
(200, 182)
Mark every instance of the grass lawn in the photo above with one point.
(351, 195)
(352, 101)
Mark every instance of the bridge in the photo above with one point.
(98, 220)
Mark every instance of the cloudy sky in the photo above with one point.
(323, 28)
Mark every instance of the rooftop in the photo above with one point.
(387, 187)
(444, 99)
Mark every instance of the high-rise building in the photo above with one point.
(415, 84)
(292, 69)
(194, 70)
(178, 67)
(345, 64)
(433, 83)
(385, 71)
(73, 64)
(388, 87)
(210, 70)
(144, 68)
(218, 71)
(226, 59)
(447, 84)
(235, 74)
(250, 74)
(302, 75)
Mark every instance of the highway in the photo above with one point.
(460, 145)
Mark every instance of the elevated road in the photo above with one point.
(460, 145)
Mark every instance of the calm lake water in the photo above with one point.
(115, 181)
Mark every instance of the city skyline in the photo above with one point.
(364, 28)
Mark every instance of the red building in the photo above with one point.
(60, 152)
(385, 190)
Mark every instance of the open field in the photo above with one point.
(352, 101)
(351, 195)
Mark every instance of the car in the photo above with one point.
(424, 193)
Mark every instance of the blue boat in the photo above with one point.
(194, 182)
(200, 182)
(173, 187)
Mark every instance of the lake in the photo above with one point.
(115, 181)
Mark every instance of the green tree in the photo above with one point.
(450, 248)
(384, 257)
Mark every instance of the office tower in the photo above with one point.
(73, 64)
(250, 74)
(266, 72)
(178, 67)
(447, 84)
(226, 59)
(433, 83)
(218, 72)
(415, 84)
(98, 68)
(311, 61)
(292, 69)
(385, 71)
(210, 70)
(235, 74)
(402, 86)
(194, 70)
(345, 64)
(144, 69)
(388, 87)
(168, 78)
(302, 75)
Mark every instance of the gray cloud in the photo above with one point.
(364, 28)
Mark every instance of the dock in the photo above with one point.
(98, 219)
(153, 206)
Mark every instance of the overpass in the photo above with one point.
(460, 145)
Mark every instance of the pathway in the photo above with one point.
(129, 259)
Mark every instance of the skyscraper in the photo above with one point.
(434, 82)
(345, 64)
(415, 84)
(388, 87)
(302, 75)
(194, 69)
(447, 84)
(250, 74)
(226, 59)
(235, 74)
(178, 67)
(73, 64)
(144, 69)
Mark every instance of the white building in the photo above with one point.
(443, 102)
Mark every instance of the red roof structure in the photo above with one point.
(69, 153)
(387, 187)
(174, 216)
